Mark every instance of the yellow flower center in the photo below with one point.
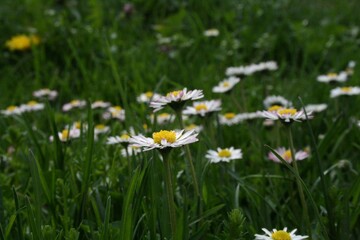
(164, 115)
(100, 126)
(125, 137)
(65, 134)
(117, 108)
(32, 103)
(224, 153)
(286, 155)
(174, 93)
(74, 102)
(20, 42)
(190, 127)
(281, 235)
(290, 111)
(346, 89)
(145, 126)
(77, 125)
(229, 115)
(200, 107)
(274, 108)
(226, 84)
(169, 136)
(149, 94)
(332, 74)
(11, 108)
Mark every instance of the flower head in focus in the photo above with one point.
(279, 235)
(223, 154)
(175, 99)
(285, 115)
(164, 139)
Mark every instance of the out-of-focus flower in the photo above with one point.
(333, 77)
(101, 128)
(203, 108)
(213, 32)
(175, 99)
(279, 235)
(226, 85)
(164, 139)
(147, 96)
(22, 42)
(100, 104)
(115, 112)
(223, 154)
(45, 93)
(286, 115)
(67, 134)
(196, 128)
(74, 104)
(32, 106)
(347, 91)
(12, 110)
(251, 69)
(130, 151)
(163, 118)
(123, 139)
(276, 100)
(315, 107)
(229, 119)
(286, 155)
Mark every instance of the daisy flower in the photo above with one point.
(248, 116)
(175, 99)
(12, 110)
(147, 97)
(131, 151)
(223, 155)
(22, 42)
(286, 155)
(32, 106)
(344, 91)
(73, 104)
(276, 101)
(250, 69)
(203, 108)
(115, 112)
(229, 119)
(226, 85)
(67, 134)
(101, 128)
(213, 32)
(100, 104)
(196, 128)
(315, 107)
(164, 139)
(163, 118)
(279, 235)
(45, 93)
(286, 115)
(123, 139)
(333, 77)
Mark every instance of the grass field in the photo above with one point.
(64, 174)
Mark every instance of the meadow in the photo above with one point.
(193, 119)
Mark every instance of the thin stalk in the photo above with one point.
(233, 98)
(169, 193)
(189, 157)
(128, 160)
(298, 183)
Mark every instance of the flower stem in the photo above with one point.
(298, 183)
(169, 193)
(189, 157)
